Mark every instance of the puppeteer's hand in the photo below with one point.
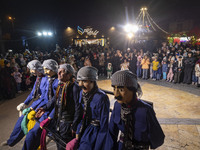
(72, 145)
(45, 123)
(39, 113)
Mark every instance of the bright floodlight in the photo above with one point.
(131, 28)
(44, 33)
(135, 28)
(130, 35)
(128, 27)
(50, 33)
(39, 34)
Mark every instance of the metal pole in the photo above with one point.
(56, 136)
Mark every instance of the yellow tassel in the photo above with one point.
(31, 122)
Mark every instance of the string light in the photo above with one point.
(144, 13)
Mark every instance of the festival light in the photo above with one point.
(69, 29)
(127, 28)
(131, 28)
(39, 34)
(135, 28)
(130, 35)
(50, 33)
(112, 28)
(9, 18)
(144, 8)
(45, 33)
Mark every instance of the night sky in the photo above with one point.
(32, 14)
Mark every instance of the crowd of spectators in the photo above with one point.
(177, 63)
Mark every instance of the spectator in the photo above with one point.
(197, 72)
(170, 74)
(155, 68)
(164, 69)
(139, 66)
(109, 70)
(145, 66)
(87, 61)
(18, 78)
(125, 65)
(102, 64)
(189, 67)
(8, 84)
(178, 70)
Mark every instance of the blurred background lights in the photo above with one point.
(44, 33)
(50, 33)
(39, 34)
(130, 35)
(127, 28)
(131, 28)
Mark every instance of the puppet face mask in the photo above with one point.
(33, 72)
(123, 94)
(86, 85)
(49, 72)
(63, 75)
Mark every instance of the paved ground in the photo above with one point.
(176, 105)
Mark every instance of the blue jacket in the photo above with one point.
(94, 137)
(165, 67)
(46, 96)
(147, 128)
(41, 92)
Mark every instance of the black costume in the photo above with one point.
(67, 112)
(189, 67)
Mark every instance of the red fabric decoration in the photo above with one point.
(72, 145)
(43, 140)
(44, 123)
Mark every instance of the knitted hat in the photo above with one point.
(126, 78)
(68, 68)
(51, 65)
(35, 65)
(87, 73)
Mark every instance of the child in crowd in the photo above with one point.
(164, 69)
(87, 61)
(145, 66)
(170, 74)
(109, 70)
(125, 65)
(155, 68)
(18, 78)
